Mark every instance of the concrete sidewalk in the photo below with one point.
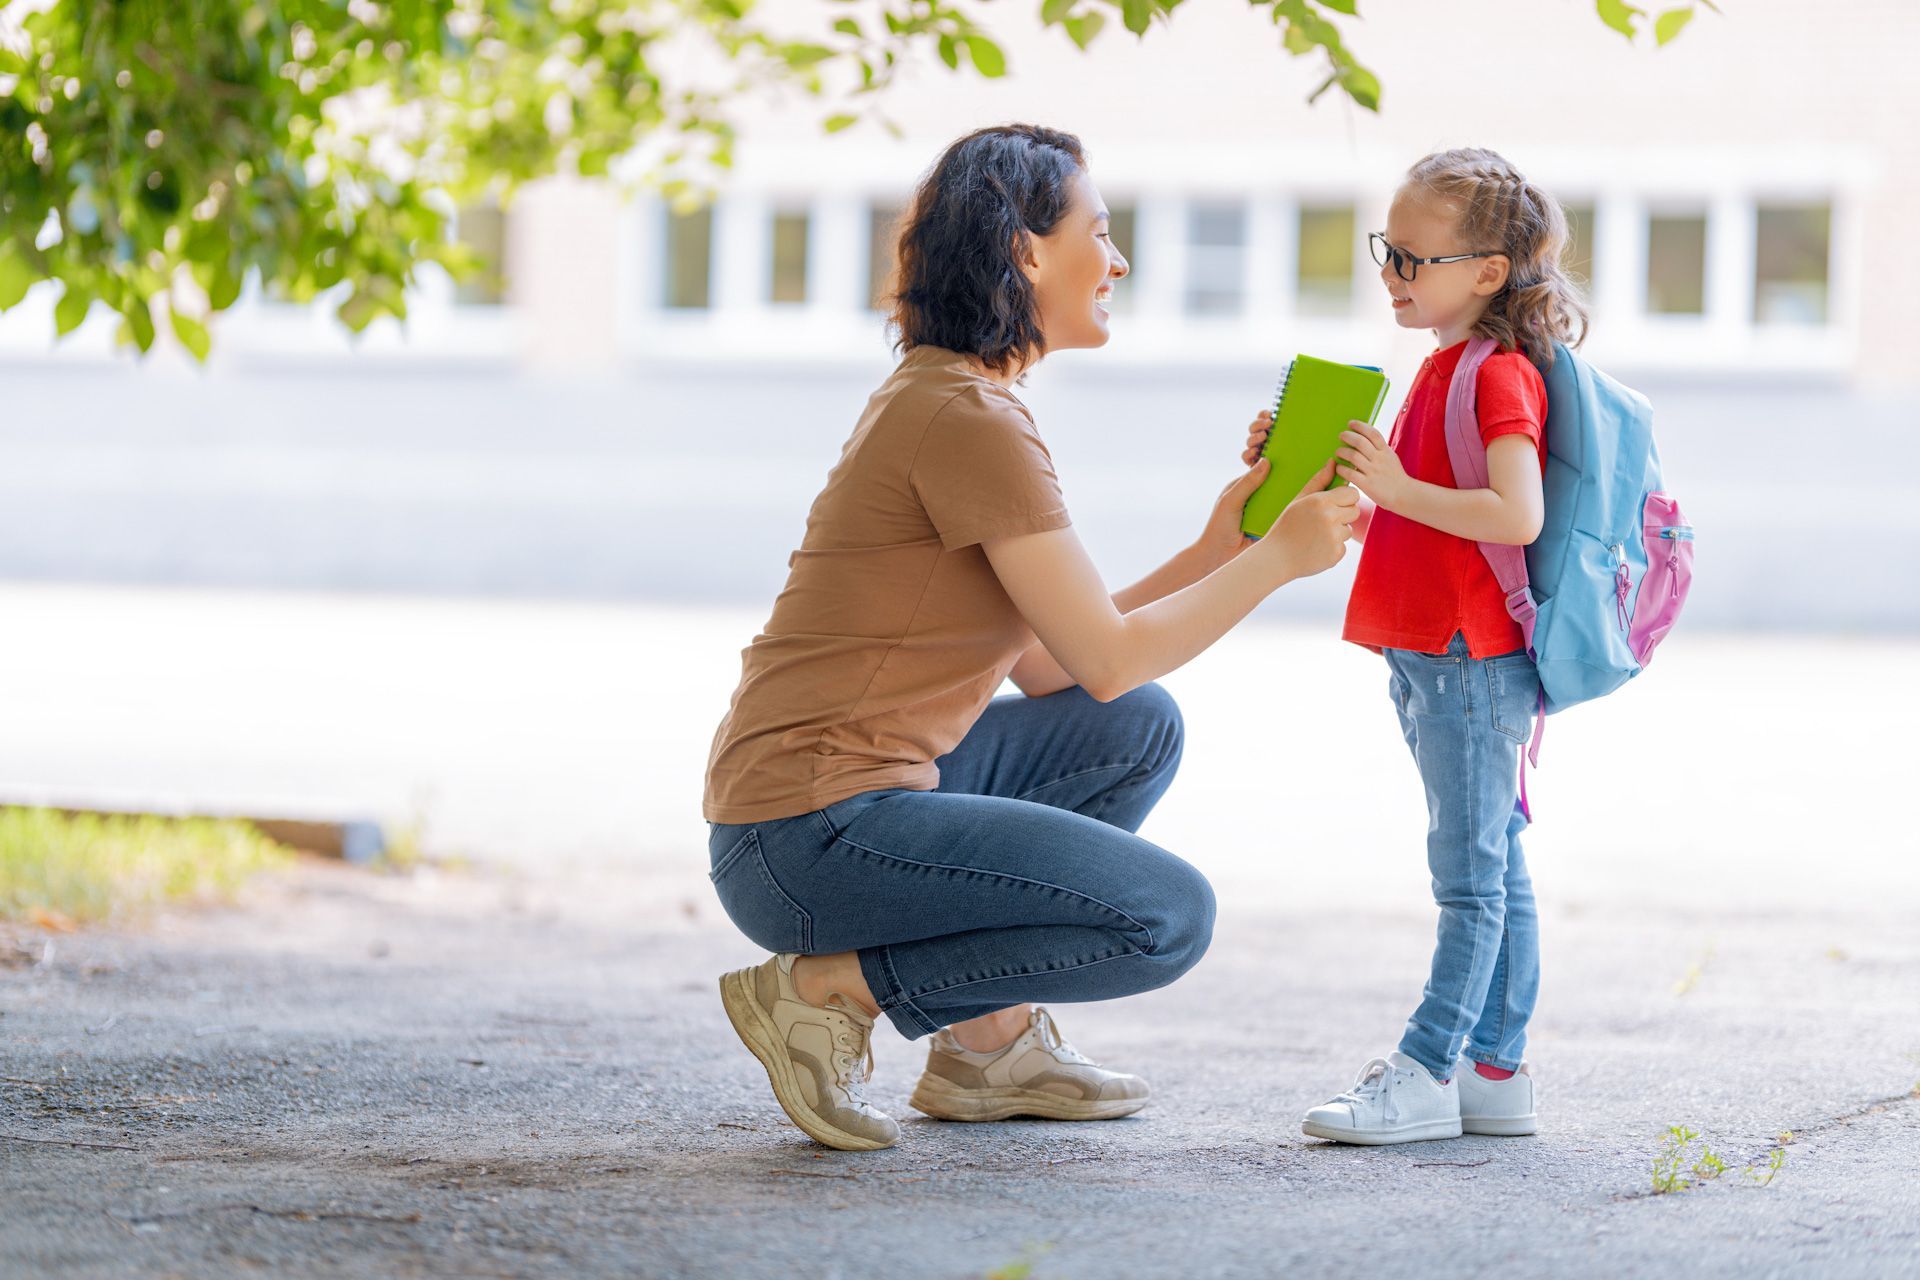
(524, 1070)
(494, 1075)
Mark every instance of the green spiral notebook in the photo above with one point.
(1315, 401)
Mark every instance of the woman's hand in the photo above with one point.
(1312, 532)
(1368, 463)
(1222, 539)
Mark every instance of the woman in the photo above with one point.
(903, 843)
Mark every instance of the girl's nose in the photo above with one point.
(1118, 267)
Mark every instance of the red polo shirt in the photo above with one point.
(1417, 586)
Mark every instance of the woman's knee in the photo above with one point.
(1186, 927)
(1157, 720)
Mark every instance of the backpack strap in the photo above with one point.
(1468, 455)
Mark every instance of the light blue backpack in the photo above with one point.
(1604, 582)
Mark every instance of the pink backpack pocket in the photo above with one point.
(1663, 587)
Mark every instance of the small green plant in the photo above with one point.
(1678, 1166)
(1021, 1268)
(60, 869)
(1691, 978)
(1670, 1162)
(1776, 1160)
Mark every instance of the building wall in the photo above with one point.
(1757, 110)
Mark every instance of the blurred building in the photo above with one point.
(1728, 194)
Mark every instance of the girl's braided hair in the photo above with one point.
(1499, 211)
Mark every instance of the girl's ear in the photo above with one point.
(1492, 276)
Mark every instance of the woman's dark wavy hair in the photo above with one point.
(958, 283)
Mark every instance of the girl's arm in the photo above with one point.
(1109, 652)
(1509, 510)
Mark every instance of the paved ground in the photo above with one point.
(522, 1069)
(482, 1075)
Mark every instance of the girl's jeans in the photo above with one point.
(1018, 879)
(1465, 721)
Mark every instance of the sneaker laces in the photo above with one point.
(1373, 1079)
(1041, 1020)
(853, 1054)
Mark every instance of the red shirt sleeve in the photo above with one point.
(1511, 398)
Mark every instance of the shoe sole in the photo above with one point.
(935, 1097)
(762, 1038)
(1430, 1131)
(1501, 1126)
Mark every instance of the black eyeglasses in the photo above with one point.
(1405, 265)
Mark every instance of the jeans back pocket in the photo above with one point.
(753, 899)
(1513, 688)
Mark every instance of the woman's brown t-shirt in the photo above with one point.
(892, 633)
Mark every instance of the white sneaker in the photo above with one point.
(1394, 1100)
(1504, 1108)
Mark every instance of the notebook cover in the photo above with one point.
(1317, 399)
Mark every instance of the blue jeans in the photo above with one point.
(1465, 721)
(1019, 879)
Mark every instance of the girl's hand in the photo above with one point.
(1366, 462)
(1222, 539)
(1257, 436)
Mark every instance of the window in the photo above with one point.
(1576, 259)
(483, 229)
(789, 283)
(1790, 264)
(1323, 283)
(1121, 223)
(883, 225)
(1677, 265)
(690, 259)
(1216, 259)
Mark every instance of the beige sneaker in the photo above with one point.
(1037, 1075)
(818, 1060)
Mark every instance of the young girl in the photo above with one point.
(1471, 249)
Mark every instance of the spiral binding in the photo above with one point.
(1279, 394)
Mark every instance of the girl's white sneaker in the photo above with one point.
(1502, 1108)
(1394, 1100)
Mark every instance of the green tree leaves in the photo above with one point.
(1619, 15)
(162, 156)
(1670, 24)
(1625, 18)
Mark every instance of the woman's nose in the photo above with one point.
(1118, 268)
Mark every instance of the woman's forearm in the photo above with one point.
(1185, 568)
(1107, 649)
(1165, 634)
(1037, 674)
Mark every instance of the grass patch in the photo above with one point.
(59, 869)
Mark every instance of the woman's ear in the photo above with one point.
(1026, 252)
(1492, 276)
